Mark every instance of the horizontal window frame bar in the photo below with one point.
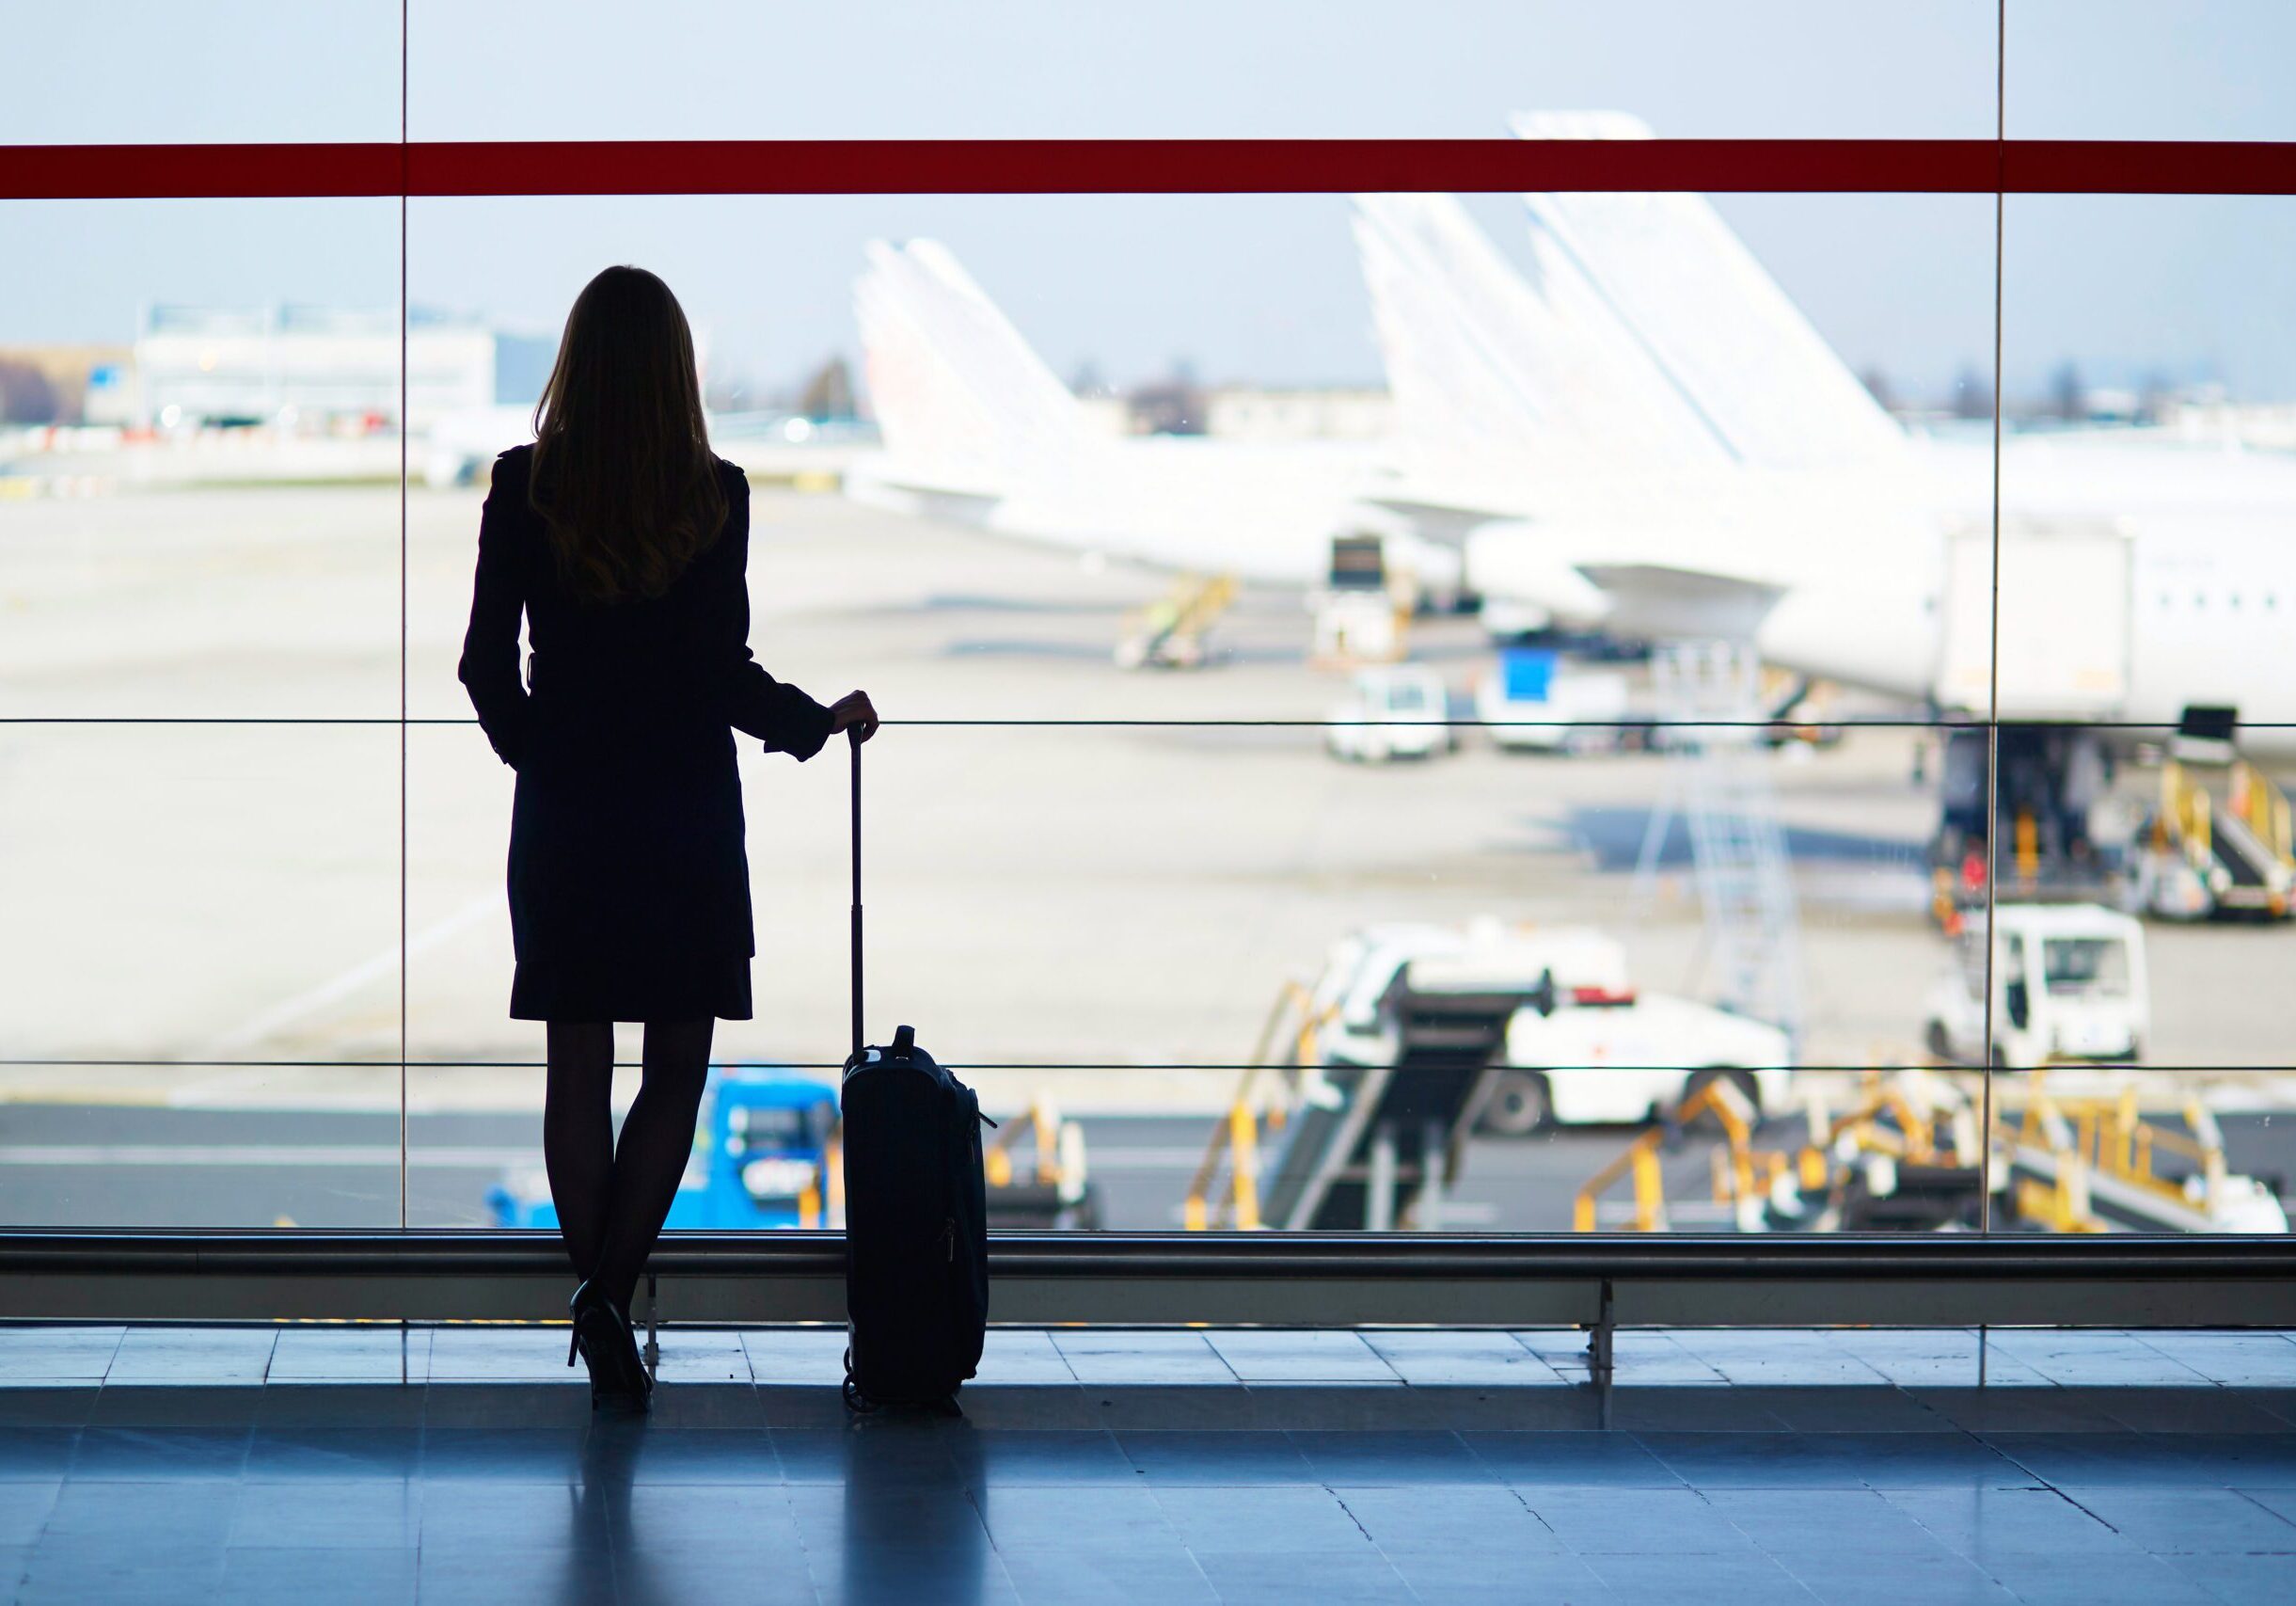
(1969, 722)
(1407, 1255)
(161, 1062)
(433, 168)
(1163, 1279)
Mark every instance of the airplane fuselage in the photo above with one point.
(1847, 580)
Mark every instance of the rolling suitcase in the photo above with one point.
(916, 1236)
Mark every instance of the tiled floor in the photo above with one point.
(333, 1464)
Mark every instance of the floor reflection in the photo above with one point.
(911, 1530)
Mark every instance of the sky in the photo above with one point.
(1246, 288)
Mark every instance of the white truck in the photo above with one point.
(2069, 983)
(1533, 701)
(1393, 711)
(1583, 1045)
(1624, 1056)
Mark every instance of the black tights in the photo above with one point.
(611, 1200)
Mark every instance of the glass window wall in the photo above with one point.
(1516, 714)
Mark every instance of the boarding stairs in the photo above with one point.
(1709, 700)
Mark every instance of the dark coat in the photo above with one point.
(630, 888)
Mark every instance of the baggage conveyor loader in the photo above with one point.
(1395, 1055)
(1416, 1037)
(1331, 1144)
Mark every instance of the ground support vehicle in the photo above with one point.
(764, 1155)
(1359, 1114)
(1392, 711)
(1905, 1156)
(2199, 858)
(2069, 983)
(1533, 701)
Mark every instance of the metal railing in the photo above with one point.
(1304, 1280)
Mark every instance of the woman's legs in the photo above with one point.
(577, 1133)
(656, 1142)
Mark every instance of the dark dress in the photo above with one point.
(629, 886)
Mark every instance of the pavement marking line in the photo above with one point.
(418, 1153)
(441, 1157)
(258, 1026)
(1143, 1159)
(105, 1097)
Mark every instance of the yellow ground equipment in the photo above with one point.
(825, 1207)
(2090, 1164)
(2204, 857)
(1053, 1190)
(1742, 1175)
(1902, 1154)
(1225, 1191)
(1169, 634)
(1905, 1156)
(2264, 809)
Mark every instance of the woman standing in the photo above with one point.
(623, 541)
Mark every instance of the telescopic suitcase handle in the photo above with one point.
(853, 737)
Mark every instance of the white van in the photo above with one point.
(1394, 711)
(2069, 983)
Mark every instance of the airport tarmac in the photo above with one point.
(214, 909)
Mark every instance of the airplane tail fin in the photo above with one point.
(1451, 394)
(960, 396)
(1482, 360)
(1683, 285)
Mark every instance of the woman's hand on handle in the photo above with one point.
(855, 713)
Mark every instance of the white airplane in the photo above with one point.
(1646, 436)
(460, 447)
(978, 430)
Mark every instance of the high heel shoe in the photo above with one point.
(602, 1338)
(589, 1344)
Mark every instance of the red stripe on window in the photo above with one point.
(108, 172)
(2136, 167)
(1148, 166)
(1129, 167)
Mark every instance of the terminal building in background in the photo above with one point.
(314, 369)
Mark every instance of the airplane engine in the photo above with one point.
(1519, 563)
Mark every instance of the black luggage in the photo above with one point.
(916, 1234)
